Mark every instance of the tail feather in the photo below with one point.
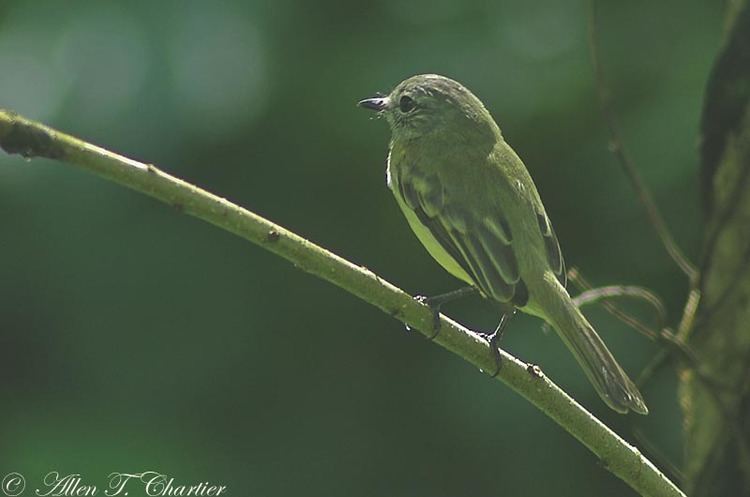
(610, 381)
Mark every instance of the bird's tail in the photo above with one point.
(600, 366)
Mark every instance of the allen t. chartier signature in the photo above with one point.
(149, 483)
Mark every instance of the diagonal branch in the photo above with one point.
(31, 139)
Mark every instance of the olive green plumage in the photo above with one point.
(471, 202)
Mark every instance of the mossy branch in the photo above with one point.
(717, 439)
(31, 139)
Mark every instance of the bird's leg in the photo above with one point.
(438, 301)
(494, 338)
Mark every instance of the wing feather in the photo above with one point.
(482, 248)
(552, 246)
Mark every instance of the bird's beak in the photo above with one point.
(374, 103)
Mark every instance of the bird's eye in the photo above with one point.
(406, 104)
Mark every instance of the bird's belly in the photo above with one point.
(432, 245)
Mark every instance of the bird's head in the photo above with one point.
(431, 104)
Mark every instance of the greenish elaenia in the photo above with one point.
(472, 203)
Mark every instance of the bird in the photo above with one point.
(472, 203)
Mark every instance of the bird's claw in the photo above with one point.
(435, 309)
(491, 339)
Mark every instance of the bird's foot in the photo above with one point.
(494, 338)
(436, 303)
(435, 310)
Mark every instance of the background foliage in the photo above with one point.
(135, 338)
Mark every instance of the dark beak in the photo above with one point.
(374, 103)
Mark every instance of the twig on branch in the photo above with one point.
(663, 335)
(575, 276)
(688, 311)
(618, 148)
(31, 139)
(595, 295)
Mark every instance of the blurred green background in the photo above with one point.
(136, 338)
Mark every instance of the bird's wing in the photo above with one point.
(552, 247)
(482, 247)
